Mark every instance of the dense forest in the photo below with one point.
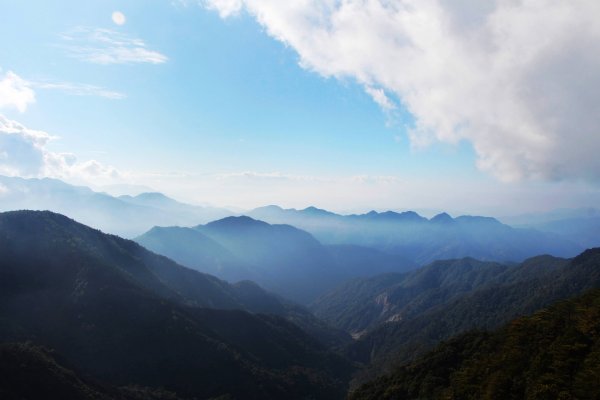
(553, 354)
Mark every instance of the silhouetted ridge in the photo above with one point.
(316, 211)
(423, 240)
(442, 218)
(240, 222)
(587, 256)
(125, 315)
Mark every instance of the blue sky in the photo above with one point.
(222, 108)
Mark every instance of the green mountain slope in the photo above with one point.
(553, 354)
(29, 372)
(124, 315)
(362, 304)
(523, 289)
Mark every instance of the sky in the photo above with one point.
(472, 106)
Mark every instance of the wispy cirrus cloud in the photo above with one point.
(18, 92)
(80, 89)
(106, 46)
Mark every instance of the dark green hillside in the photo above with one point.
(553, 354)
(29, 372)
(361, 304)
(522, 290)
(127, 316)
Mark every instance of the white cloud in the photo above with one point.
(15, 92)
(225, 8)
(379, 97)
(105, 46)
(516, 78)
(24, 152)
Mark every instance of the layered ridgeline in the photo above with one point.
(126, 216)
(553, 354)
(282, 258)
(424, 240)
(405, 234)
(124, 315)
(581, 225)
(411, 313)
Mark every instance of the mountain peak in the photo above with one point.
(442, 218)
(243, 221)
(312, 210)
(408, 216)
(152, 196)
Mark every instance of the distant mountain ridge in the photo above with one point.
(282, 258)
(406, 234)
(424, 240)
(126, 216)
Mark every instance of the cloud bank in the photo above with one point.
(24, 152)
(518, 79)
(15, 92)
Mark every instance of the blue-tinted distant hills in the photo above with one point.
(425, 240)
(580, 225)
(406, 235)
(125, 216)
(282, 258)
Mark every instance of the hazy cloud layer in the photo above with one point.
(516, 78)
(24, 152)
(106, 46)
(15, 92)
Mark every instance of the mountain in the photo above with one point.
(33, 372)
(283, 259)
(362, 304)
(422, 240)
(126, 216)
(583, 230)
(195, 250)
(581, 226)
(126, 316)
(520, 290)
(553, 354)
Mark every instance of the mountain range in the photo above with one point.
(126, 216)
(126, 316)
(282, 258)
(423, 240)
(413, 312)
(553, 354)
(408, 235)
(88, 315)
